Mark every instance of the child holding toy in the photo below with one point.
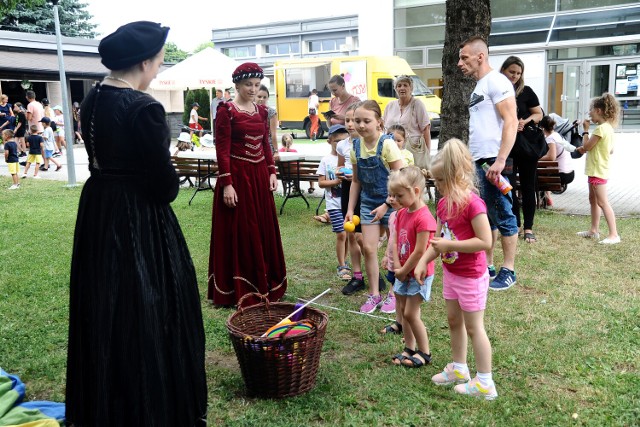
(345, 173)
(463, 236)
(414, 227)
(373, 156)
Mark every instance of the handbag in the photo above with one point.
(418, 147)
(530, 143)
(421, 156)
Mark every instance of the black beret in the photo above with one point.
(131, 44)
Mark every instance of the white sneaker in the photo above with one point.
(37, 177)
(609, 241)
(24, 175)
(14, 187)
(588, 235)
(473, 388)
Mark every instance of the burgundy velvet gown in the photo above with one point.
(246, 251)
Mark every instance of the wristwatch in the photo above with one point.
(388, 204)
(585, 133)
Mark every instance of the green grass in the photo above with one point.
(566, 338)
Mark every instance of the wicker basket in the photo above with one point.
(279, 366)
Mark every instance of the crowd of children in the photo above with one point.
(375, 181)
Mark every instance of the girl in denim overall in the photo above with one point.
(373, 156)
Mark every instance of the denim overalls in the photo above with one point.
(373, 176)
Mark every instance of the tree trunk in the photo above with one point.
(465, 18)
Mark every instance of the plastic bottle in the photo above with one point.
(502, 183)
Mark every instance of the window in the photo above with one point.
(423, 15)
(327, 45)
(240, 52)
(385, 88)
(419, 36)
(413, 57)
(281, 48)
(502, 8)
(300, 81)
(583, 4)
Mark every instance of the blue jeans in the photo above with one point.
(499, 206)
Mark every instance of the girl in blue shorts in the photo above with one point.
(414, 227)
(463, 236)
(373, 156)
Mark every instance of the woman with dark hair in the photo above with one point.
(136, 337)
(529, 112)
(246, 253)
(341, 100)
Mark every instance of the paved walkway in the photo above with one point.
(624, 192)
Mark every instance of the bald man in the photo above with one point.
(493, 123)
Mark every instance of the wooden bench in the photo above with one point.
(548, 175)
(291, 173)
(200, 170)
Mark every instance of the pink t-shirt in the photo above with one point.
(284, 150)
(408, 225)
(459, 227)
(340, 108)
(37, 113)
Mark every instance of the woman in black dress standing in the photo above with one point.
(529, 112)
(136, 337)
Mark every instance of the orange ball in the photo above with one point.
(349, 226)
(356, 220)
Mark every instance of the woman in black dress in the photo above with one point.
(529, 112)
(136, 337)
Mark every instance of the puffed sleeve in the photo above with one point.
(154, 139)
(223, 144)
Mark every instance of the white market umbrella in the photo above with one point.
(206, 69)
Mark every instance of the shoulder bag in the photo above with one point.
(530, 143)
(418, 146)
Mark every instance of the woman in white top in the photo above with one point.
(556, 152)
(411, 114)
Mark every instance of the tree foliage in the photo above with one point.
(173, 54)
(203, 46)
(36, 16)
(465, 18)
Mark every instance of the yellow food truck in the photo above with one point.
(368, 77)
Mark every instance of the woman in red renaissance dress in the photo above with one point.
(246, 251)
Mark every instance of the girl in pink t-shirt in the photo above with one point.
(463, 235)
(415, 226)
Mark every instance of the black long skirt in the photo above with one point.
(136, 337)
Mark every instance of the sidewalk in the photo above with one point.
(624, 193)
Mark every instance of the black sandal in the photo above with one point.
(400, 357)
(392, 328)
(530, 237)
(415, 362)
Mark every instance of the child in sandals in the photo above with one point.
(415, 226)
(463, 236)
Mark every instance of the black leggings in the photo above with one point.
(527, 171)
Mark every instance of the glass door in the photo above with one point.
(566, 85)
(573, 90)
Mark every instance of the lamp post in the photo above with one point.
(68, 128)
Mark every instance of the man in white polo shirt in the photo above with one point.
(493, 123)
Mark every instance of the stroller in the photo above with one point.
(569, 132)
